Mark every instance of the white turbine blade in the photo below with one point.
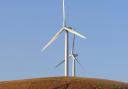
(64, 15)
(53, 39)
(74, 32)
(60, 63)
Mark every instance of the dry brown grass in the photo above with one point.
(63, 83)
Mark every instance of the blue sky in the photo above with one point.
(27, 25)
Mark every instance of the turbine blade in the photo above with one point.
(60, 63)
(74, 32)
(64, 15)
(74, 58)
(53, 39)
(73, 43)
(77, 61)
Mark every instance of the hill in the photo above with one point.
(63, 83)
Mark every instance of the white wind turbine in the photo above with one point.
(73, 56)
(65, 29)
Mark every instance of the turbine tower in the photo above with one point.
(66, 42)
(65, 29)
(73, 56)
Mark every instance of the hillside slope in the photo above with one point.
(63, 83)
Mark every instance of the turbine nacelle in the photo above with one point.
(74, 54)
(69, 27)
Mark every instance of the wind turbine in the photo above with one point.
(73, 56)
(67, 30)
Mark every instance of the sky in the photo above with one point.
(27, 25)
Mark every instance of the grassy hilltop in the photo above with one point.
(63, 83)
